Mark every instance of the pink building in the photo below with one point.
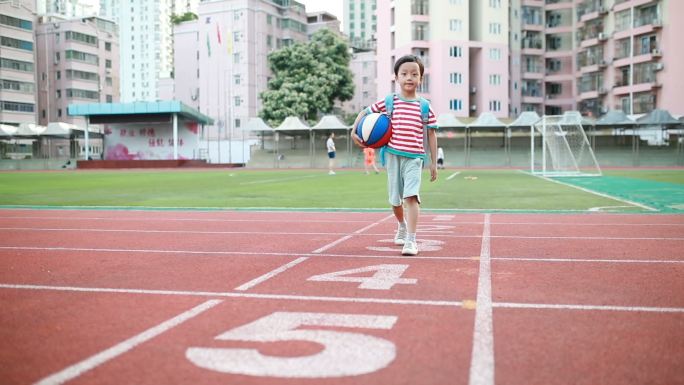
(596, 55)
(78, 62)
(220, 59)
(463, 44)
(17, 63)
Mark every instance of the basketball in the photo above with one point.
(374, 130)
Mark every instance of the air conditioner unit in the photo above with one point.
(473, 90)
(602, 10)
(602, 36)
(602, 63)
(473, 107)
(659, 66)
(604, 110)
(657, 23)
(656, 52)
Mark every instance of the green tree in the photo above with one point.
(187, 16)
(308, 78)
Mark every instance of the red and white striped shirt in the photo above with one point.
(407, 126)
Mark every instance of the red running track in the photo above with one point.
(171, 297)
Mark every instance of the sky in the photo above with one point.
(331, 6)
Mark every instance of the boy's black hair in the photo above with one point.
(408, 59)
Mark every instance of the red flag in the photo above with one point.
(218, 33)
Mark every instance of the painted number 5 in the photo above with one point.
(343, 354)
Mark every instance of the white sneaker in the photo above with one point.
(410, 248)
(400, 236)
(331, 172)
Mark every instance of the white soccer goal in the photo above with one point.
(564, 149)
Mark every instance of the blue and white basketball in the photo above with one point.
(374, 130)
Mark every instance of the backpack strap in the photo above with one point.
(389, 104)
(425, 117)
(424, 111)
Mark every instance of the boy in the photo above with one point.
(405, 151)
(330, 145)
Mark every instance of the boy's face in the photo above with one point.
(408, 77)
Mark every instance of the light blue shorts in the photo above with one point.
(403, 178)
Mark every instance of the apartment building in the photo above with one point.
(68, 8)
(463, 44)
(78, 62)
(595, 55)
(360, 22)
(221, 58)
(17, 63)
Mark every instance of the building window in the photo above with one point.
(494, 105)
(495, 80)
(456, 78)
(495, 28)
(495, 3)
(236, 79)
(495, 53)
(455, 25)
(59, 112)
(108, 46)
(455, 51)
(455, 104)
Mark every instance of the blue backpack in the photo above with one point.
(424, 116)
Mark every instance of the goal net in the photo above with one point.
(563, 148)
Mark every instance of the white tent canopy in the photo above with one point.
(330, 122)
(487, 119)
(657, 117)
(7, 130)
(449, 121)
(614, 118)
(526, 119)
(256, 124)
(292, 123)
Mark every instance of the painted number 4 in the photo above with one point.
(343, 353)
(384, 278)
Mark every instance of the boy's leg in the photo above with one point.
(394, 190)
(412, 177)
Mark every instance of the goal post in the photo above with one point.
(564, 149)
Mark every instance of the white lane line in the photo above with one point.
(237, 295)
(219, 253)
(450, 177)
(647, 309)
(260, 253)
(357, 232)
(482, 361)
(278, 180)
(270, 274)
(100, 358)
(525, 259)
(499, 222)
(164, 219)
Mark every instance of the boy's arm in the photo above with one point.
(432, 142)
(355, 137)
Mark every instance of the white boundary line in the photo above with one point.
(535, 223)
(270, 274)
(357, 232)
(254, 253)
(344, 238)
(482, 361)
(278, 180)
(593, 192)
(237, 295)
(450, 177)
(527, 259)
(148, 219)
(100, 358)
(442, 303)
(648, 309)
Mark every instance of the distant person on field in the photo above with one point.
(369, 160)
(412, 118)
(330, 144)
(440, 157)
